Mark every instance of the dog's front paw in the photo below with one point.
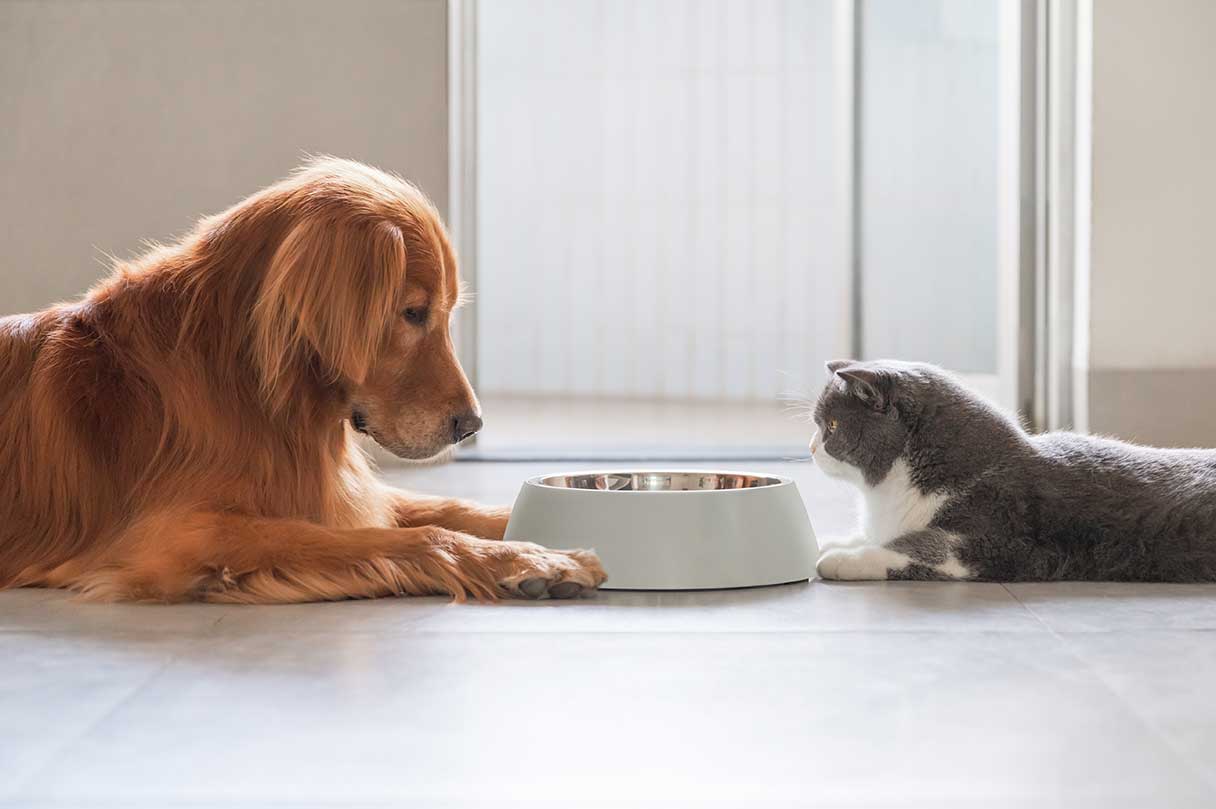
(538, 572)
(859, 564)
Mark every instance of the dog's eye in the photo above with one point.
(832, 425)
(416, 315)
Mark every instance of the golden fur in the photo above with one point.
(183, 432)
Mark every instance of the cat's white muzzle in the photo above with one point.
(830, 466)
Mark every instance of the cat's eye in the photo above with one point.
(416, 315)
(832, 425)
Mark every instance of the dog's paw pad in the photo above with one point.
(534, 572)
(566, 589)
(533, 588)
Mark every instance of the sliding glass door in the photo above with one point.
(681, 209)
(939, 134)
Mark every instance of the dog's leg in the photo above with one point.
(232, 558)
(488, 522)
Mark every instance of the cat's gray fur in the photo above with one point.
(1004, 505)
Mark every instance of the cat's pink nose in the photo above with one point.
(815, 442)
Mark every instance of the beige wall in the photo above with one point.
(124, 120)
(1152, 332)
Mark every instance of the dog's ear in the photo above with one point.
(329, 294)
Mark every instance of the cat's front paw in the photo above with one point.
(859, 564)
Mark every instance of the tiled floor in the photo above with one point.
(868, 695)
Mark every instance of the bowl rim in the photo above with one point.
(782, 481)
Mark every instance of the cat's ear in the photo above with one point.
(870, 386)
(832, 366)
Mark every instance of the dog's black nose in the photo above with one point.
(464, 426)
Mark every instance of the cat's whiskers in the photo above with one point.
(795, 406)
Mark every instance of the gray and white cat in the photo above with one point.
(952, 488)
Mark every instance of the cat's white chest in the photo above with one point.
(895, 507)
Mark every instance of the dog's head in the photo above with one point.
(360, 288)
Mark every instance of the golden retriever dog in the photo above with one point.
(185, 432)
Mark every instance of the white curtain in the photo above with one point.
(661, 211)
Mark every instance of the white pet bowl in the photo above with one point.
(673, 530)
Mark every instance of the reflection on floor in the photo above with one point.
(874, 695)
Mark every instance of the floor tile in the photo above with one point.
(805, 606)
(53, 687)
(60, 610)
(828, 719)
(1115, 606)
(1166, 678)
(376, 616)
(17, 606)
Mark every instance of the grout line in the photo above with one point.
(1027, 607)
(1191, 762)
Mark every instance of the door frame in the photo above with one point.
(462, 169)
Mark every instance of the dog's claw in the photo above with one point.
(566, 589)
(533, 588)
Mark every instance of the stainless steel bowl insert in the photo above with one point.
(658, 481)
